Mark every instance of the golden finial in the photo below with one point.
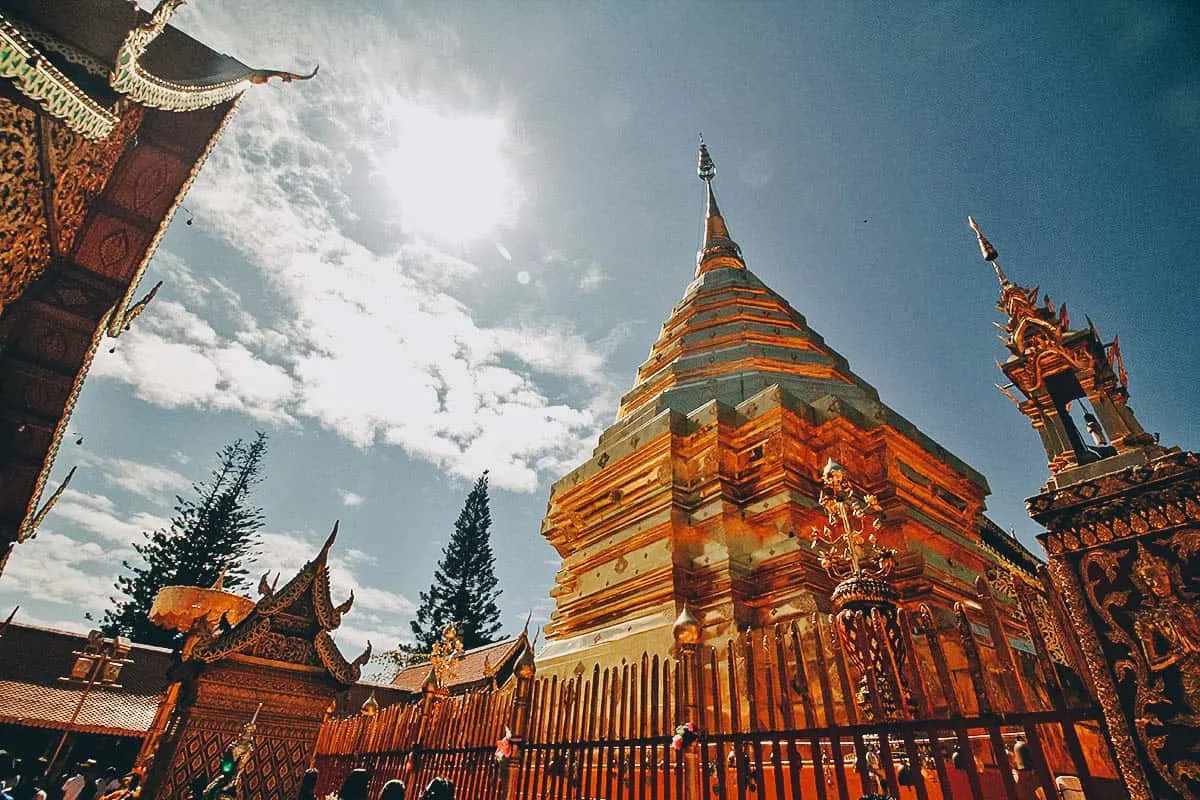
(687, 630)
(987, 250)
(705, 168)
(370, 706)
(718, 249)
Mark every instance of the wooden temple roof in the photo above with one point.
(477, 668)
(292, 625)
(32, 659)
(108, 115)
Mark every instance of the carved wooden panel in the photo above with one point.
(55, 338)
(111, 247)
(81, 170)
(16, 482)
(1141, 598)
(187, 134)
(34, 389)
(24, 242)
(147, 182)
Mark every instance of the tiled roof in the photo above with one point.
(104, 710)
(476, 666)
(31, 661)
(349, 703)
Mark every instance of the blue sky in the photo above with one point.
(450, 251)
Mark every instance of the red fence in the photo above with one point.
(777, 713)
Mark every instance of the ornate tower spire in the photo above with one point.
(1066, 376)
(718, 250)
(988, 252)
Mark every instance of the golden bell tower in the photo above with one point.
(1122, 518)
(704, 490)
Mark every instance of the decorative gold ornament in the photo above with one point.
(445, 656)
(131, 78)
(852, 550)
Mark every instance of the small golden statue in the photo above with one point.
(446, 654)
(228, 783)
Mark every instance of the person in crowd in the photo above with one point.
(438, 789)
(92, 782)
(73, 786)
(308, 786)
(392, 790)
(127, 788)
(355, 785)
(109, 781)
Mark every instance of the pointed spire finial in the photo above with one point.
(986, 249)
(705, 168)
(718, 250)
(329, 542)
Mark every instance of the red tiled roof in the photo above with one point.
(31, 661)
(104, 710)
(476, 665)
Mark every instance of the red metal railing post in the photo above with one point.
(688, 634)
(518, 722)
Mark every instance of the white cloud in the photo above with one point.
(97, 514)
(58, 569)
(146, 480)
(591, 278)
(372, 347)
(175, 359)
(349, 498)
(287, 553)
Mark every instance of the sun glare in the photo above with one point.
(450, 175)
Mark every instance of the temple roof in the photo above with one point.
(292, 625)
(32, 659)
(77, 57)
(476, 668)
(96, 29)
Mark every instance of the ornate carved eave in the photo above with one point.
(132, 79)
(300, 616)
(35, 77)
(34, 514)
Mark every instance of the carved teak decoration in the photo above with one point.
(276, 651)
(865, 605)
(99, 151)
(1123, 534)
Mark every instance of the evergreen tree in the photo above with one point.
(216, 531)
(464, 583)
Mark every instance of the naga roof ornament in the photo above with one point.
(35, 77)
(718, 249)
(1032, 325)
(291, 624)
(132, 79)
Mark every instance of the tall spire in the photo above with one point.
(718, 250)
(986, 250)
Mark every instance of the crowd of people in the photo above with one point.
(28, 779)
(356, 784)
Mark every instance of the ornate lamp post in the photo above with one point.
(444, 658)
(99, 662)
(865, 609)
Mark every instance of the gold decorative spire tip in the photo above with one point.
(705, 168)
(718, 248)
(987, 250)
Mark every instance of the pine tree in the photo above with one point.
(214, 532)
(464, 583)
